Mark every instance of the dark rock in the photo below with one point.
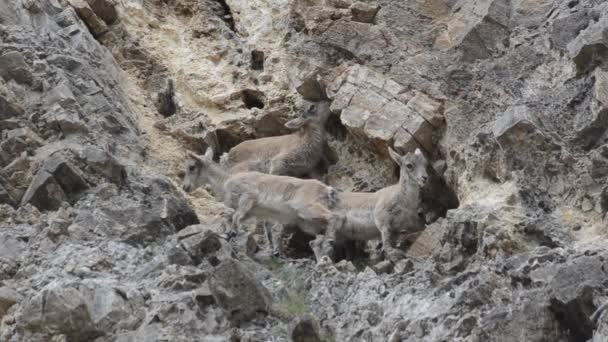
(57, 181)
(363, 12)
(105, 9)
(8, 298)
(95, 24)
(238, 292)
(307, 329)
(165, 100)
(590, 48)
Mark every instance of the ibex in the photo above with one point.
(297, 154)
(282, 199)
(379, 215)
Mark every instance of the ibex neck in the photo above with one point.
(313, 133)
(217, 177)
(409, 186)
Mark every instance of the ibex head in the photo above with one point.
(413, 166)
(313, 112)
(196, 173)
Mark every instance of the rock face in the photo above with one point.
(237, 291)
(99, 100)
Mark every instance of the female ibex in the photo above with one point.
(379, 215)
(281, 199)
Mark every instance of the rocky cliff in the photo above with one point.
(100, 99)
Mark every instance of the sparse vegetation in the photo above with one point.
(293, 305)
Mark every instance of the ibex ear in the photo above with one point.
(194, 156)
(396, 157)
(208, 154)
(418, 152)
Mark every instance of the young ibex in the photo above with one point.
(379, 215)
(282, 199)
(297, 154)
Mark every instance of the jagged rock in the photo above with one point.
(105, 9)
(590, 47)
(199, 241)
(81, 310)
(13, 67)
(66, 122)
(363, 12)
(571, 291)
(566, 28)
(56, 182)
(238, 292)
(372, 106)
(59, 309)
(361, 40)
(153, 211)
(480, 29)
(306, 330)
(8, 298)
(96, 25)
(103, 163)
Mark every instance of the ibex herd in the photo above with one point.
(257, 179)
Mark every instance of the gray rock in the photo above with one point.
(199, 241)
(56, 182)
(238, 292)
(590, 45)
(13, 67)
(59, 309)
(104, 164)
(16, 142)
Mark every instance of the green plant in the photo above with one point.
(293, 305)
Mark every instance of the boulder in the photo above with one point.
(479, 29)
(57, 181)
(65, 121)
(238, 292)
(363, 12)
(105, 9)
(59, 309)
(81, 310)
(96, 25)
(373, 106)
(103, 164)
(590, 47)
(14, 67)
(199, 241)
